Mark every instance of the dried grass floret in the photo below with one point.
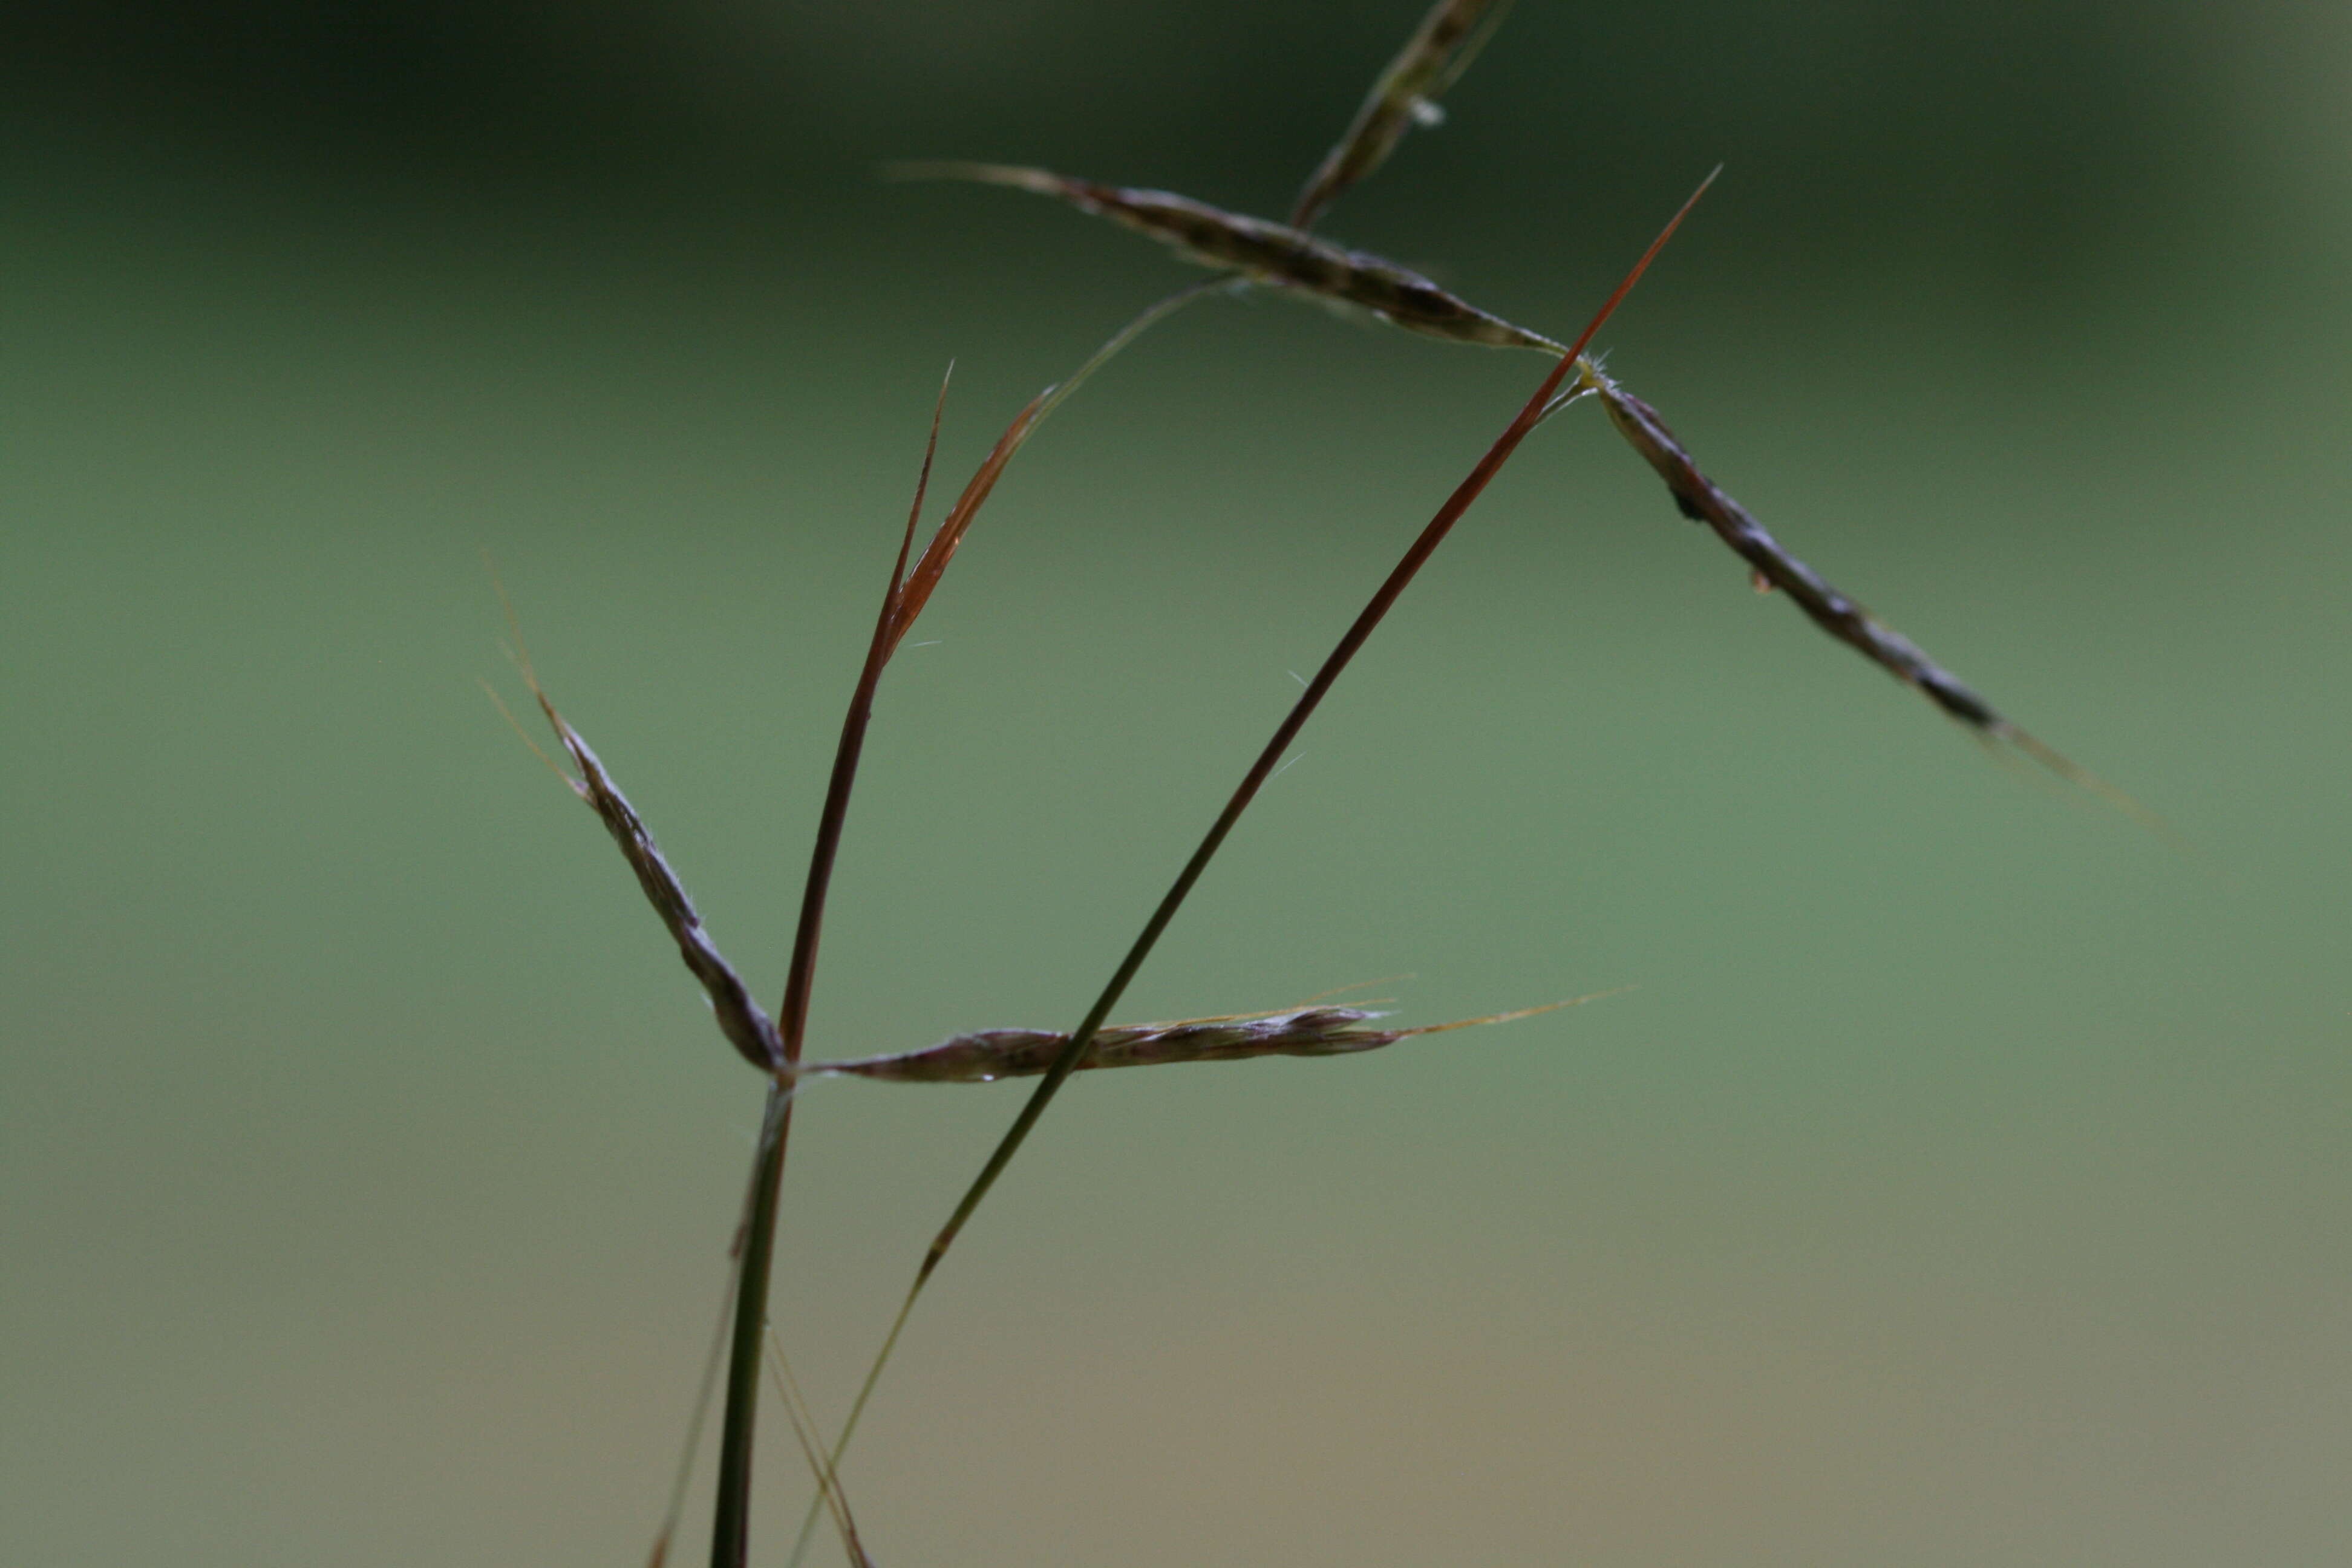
(1701, 499)
(740, 1018)
(987, 1055)
(744, 1023)
(1265, 252)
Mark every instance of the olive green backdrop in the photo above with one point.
(1966, 1181)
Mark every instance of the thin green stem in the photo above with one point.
(730, 1531)
(1359, 631)
(830, 1477)
(731, 1534)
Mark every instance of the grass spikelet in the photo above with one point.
(1262, 251)
(992, 1054)
(747, 1027)
(1701, 499)
(740, 1018)
(1405, 96)
(915, 592)
(989, 1054)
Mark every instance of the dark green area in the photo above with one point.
(1964, 1184)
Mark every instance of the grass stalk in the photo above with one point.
(909, 589)
(730, 1530)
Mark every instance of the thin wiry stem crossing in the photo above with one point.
(1537, 407)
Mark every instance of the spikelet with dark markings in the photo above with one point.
(1264, 252)
(1273, 253)
(1701, 499)
(1287, 257)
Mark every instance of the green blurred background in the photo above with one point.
(1965, 1182)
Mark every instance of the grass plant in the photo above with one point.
(1245, 253)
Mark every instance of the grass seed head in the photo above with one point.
(1771, 566)
(989, 1054)
(740, 1018)
(1265, 252)
(1701, 499)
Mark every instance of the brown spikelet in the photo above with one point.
(909, 596)
(1701, 499)
(746, 1025)
(992, 1054)
(1265, 252)
(1405, 96)
(740, 1018)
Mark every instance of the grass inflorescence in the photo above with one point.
(1245, 253)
